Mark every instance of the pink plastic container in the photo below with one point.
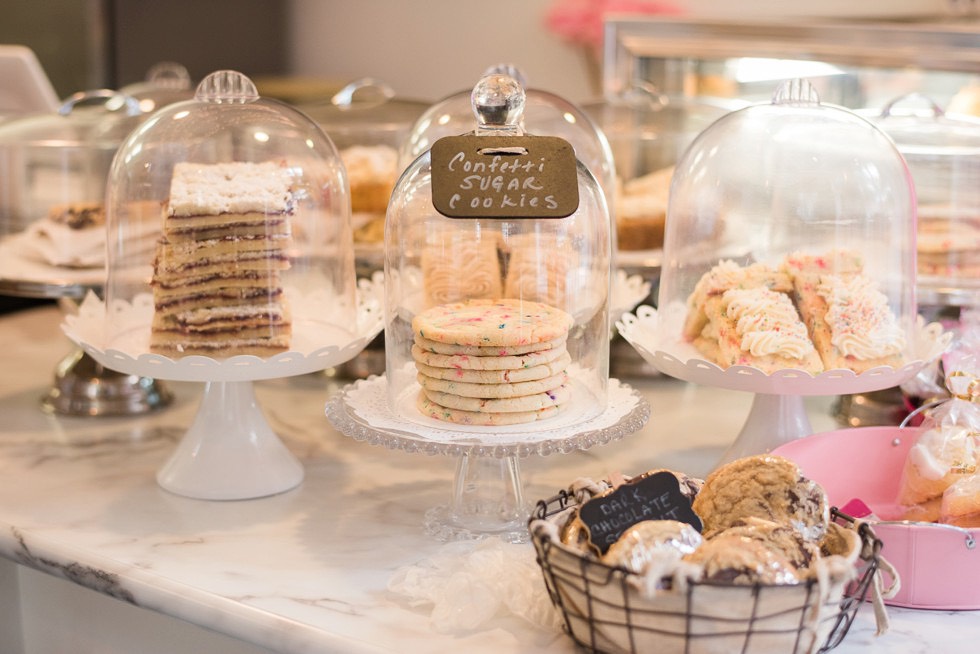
(938, 564)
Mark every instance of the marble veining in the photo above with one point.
(100, 581)
(308, 571)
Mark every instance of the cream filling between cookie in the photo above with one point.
(767, 323)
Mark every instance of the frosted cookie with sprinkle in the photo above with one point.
(492, 323)
(501, 376)
(491, 390)
(488, 362)
(426, 345)
(846, 315)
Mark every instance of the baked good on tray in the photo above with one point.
(948, 247)
(812, 313)
(641, 211)
(371, 174)
(491, 362)
(73, 235)
(217, 287)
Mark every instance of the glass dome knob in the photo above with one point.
(498, 101)
(226, 87)
(796, 91)
(169, 75)
(508, 69)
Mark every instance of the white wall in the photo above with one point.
(428, 49)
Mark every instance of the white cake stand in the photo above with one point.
(230, 452)
(778, 414)
(488, 493)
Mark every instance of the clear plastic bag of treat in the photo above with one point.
(947, 450)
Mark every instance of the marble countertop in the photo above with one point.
(309, 570)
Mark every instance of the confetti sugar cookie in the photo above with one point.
(492, 323)
(481, 418)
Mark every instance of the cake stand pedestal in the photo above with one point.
(230, 451)
(772, 419)
(778, 415)
(487, 497)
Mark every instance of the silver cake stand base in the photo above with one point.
(84, 387)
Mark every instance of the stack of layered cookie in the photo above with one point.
(492, 362)
(217, 286)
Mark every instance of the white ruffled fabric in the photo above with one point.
(467, 583)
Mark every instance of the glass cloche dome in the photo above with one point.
(790, 241)
(943, 154)
(229, 233)
(497, 264)
(544, 113)
(648, 131)
(367, 122)
(54, 168)
(165, 82)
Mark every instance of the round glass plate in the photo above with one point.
(361, 411)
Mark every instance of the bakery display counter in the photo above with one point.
(96, 557)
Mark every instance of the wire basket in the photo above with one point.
(604, 612)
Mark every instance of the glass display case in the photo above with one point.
(943, 154)
(54, 164)
(856, 64)
(367, 122)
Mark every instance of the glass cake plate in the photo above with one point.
(778, 414)
(230, 451)
(488, 494)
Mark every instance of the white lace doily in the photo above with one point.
(317, 346)
(361, 411)
(661, 345)
(465, 584)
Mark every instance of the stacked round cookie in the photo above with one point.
(492, 362)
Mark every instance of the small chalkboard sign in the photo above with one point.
(656, 497)
(504, 177)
